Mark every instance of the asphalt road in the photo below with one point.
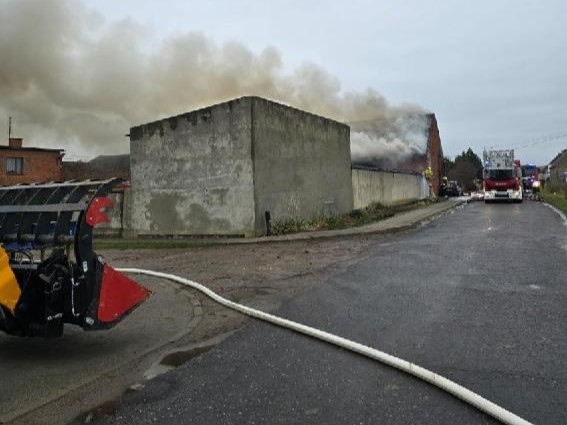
(478, 296)
(45, 382)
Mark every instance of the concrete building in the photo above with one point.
(219, 170)
(28, 165)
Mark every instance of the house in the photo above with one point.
(230, 168)
(20, 164)
(557, 170)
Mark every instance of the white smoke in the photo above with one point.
(74, 81)
(400, 135)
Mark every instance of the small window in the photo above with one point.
(15, 165)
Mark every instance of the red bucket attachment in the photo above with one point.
(119, 295)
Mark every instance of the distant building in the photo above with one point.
(28, 165)
(101, 167)
(434, 154)
(557, 170)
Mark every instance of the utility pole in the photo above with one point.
(9, 128)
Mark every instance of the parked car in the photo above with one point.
(454, 189)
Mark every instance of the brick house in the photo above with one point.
(432, 158)
(28, 165)
(435, 154)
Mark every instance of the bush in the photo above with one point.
(357, 217)
(293, 225)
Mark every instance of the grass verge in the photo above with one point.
(557, 199)
(359, 217)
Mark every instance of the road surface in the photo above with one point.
(478, 297)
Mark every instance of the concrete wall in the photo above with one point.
(386, 187)
(192, 174)
(301, 164)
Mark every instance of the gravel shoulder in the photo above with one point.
(261, 276)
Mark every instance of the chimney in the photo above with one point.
(16, 143)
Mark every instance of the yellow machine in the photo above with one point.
(9, 289)
(49, 274)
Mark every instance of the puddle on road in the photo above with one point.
(175, 359)
(107, 409)
(170, 361)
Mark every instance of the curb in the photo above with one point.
(380, 227)
(389, 225)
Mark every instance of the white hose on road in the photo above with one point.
(445, 384)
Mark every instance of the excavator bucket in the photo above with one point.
(49, 273)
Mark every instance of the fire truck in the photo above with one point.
(530, 178)
(502, 176)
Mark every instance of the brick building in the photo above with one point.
(27, 165)
(432, 158)
(435, 154)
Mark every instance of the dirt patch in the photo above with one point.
(258, 275)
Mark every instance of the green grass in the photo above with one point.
(359, 217)
(557, 199)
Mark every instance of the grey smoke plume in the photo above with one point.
(391, 140)
(72, 80)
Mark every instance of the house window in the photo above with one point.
(15, 165)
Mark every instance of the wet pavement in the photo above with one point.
(478, 297)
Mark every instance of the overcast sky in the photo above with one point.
(493, 72)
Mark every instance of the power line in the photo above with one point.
(534, 142)
(544, 140)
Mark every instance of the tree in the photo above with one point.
(466, 169)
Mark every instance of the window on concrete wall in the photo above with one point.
(15, 165)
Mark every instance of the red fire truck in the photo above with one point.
(502, 176)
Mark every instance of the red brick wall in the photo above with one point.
(38, 166)
(435, 155)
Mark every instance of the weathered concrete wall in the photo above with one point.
(386, 187)
(301, 164)
(192, 174)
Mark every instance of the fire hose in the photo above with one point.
(439, 381)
